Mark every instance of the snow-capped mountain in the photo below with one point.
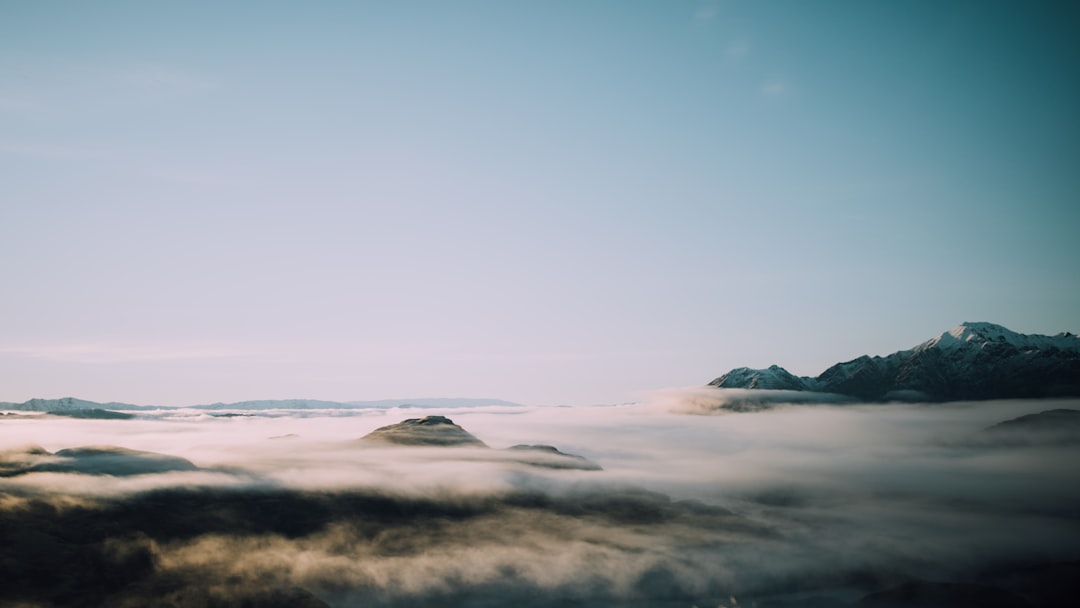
(773, 378)
(982, 334)
(970, 361)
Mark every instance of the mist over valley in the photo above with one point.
(796, 505)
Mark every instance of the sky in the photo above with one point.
(546, 202)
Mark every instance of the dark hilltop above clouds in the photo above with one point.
(429, 431)
(972, 361)
(89, 460)
(440, 431)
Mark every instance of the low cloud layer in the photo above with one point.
(705, 400)
(291, 509)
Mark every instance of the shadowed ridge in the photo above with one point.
(111, 460)
(94, 414)
(1050, 427)
(1050, 420)
(924, 594)
(550, 457)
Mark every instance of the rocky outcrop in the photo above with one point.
(426, 431)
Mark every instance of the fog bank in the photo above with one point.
(839, 500)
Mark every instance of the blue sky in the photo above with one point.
(548, 202)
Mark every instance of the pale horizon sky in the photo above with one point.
(545, 202)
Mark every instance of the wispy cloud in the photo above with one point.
(15, 104)
(129, 161)
(193, 176)
(736, 51)
(158, 81)
(50, 151)
(775, 88)
(113, 353)
(46, 86)
(707, 12)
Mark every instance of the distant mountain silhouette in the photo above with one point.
(1050, 420)
(1052, 427)
(93, 413)
(71, 404)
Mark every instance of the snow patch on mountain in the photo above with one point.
(772, 378)
(980, 334)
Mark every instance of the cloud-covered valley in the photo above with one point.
(798, 505)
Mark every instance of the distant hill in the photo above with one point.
(1052, 427)
(275, 404)
(434, 402)
(1050, 420)
(92, 414)
(971, 361)
(71, 404)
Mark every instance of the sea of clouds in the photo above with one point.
(772, 505)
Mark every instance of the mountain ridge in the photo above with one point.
(69, 404)
(974, 360)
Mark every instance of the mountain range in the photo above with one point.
(71, 404)
(972, 361)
